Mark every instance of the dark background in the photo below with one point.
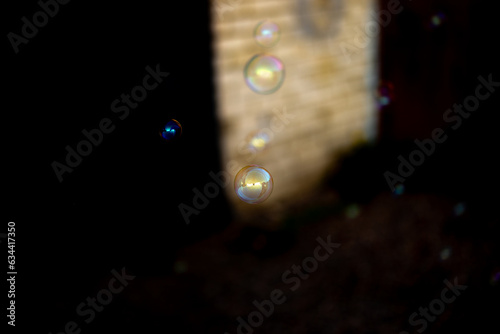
(119, 208)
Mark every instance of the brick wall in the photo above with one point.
(327, 91)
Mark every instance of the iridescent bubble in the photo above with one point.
(253, 184)
(399, 190)
(172, 130)
(352, 211)
(495, 278)
(445, 253)
(264, 74)
(384, 94)
(180, 267)
(459, 209)
(437, 20)
(258, 140)
(267, 34)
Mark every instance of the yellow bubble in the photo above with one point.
(264, 74)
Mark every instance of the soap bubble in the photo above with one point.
(399, 190)
(384, 94)
(172, 130)
(264, 74)
(437, 20)
(253, 184)
(495, 278)
(352, 211)
(459, 209)
(267, 34)
(258, 140)
(445, 253)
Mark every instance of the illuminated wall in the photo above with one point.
(329, 53)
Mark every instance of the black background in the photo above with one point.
(119, 207)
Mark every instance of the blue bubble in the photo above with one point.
(459, 209)
(172, 130)
(399, 190)
(267, 34)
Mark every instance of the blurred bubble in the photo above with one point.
(399, 190)
(180, 267)
(352, 211)
(267, 34)
(445, 253)
(264, 74)
(437, 20)
(172, 130)
(253, 184)
(459, 209)
(384, 94)
(258, 140)
(495, 278)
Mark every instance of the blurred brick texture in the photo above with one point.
(328, 92)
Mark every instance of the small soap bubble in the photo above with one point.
(399, 190)
(459, 209)
(180, 267)
(267, 34)
(264, 74)
(253, 184)
(384, 94)
(445, 253)
(172, 130)
(258, 140)
(495, 278)
(352, 211)
(437, 20)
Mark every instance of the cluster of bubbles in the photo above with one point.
(265, 73)
(253, 184)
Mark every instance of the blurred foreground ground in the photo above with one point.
(395, 253)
